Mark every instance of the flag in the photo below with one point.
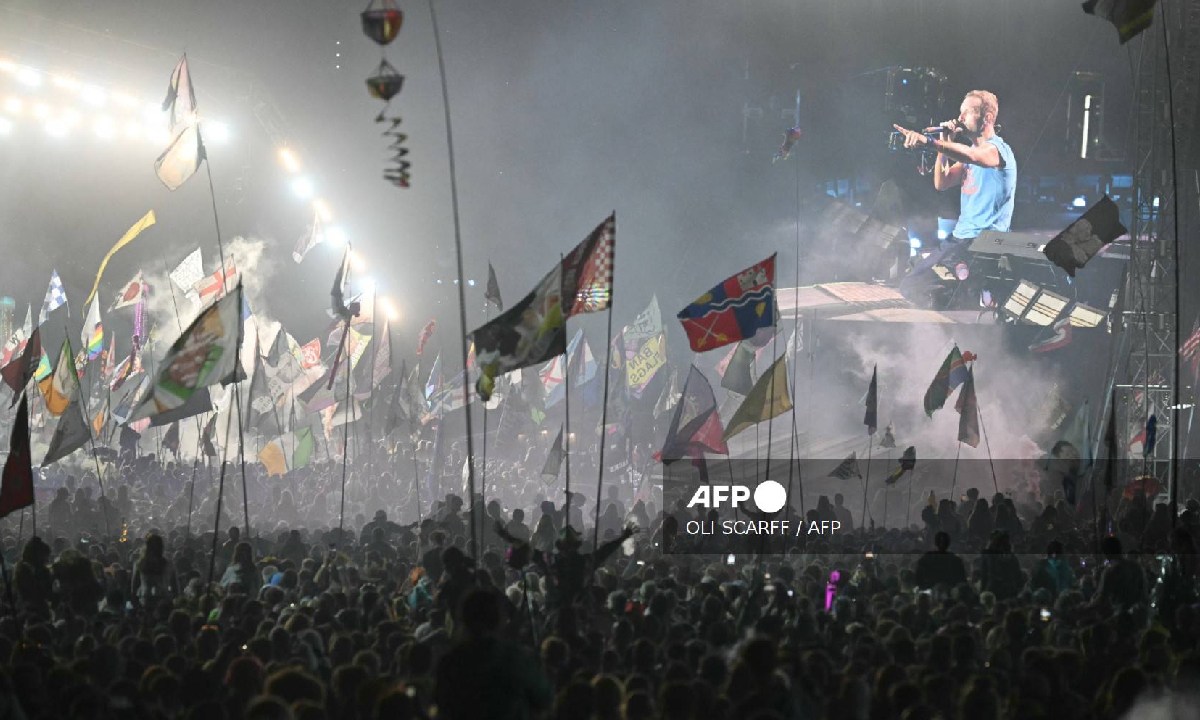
(696, 425)
(290, 451)
(950, 375)
(189, 271)
(669, 396)
(528, 333)
(56, 297)
(492, 294)
(206, 437)
(183, 155)
(16, 488)
(1079, 434)
(382, 366)
(1190, 349)
(99, 421)
(205, 354)
(426, 333)
(170, 440)
(768, 399)
(869, 419)
(644, 364)
(1130, 17)
(555, 458)
(1060, 337)
(134, 230)
(213, 286)
(59, 388)
(1073, 247)
(435, 377)
(553, 376)
(1151, 435)
(314, 237)
(92, 335)
(70, 434)
(646, 325)
(585, 365)
(889, 440)
(124, 408)
(131, 293)
(908, 461)
(733, 310)
(968, 408)
(18, 373)
(847, 468)
(200, 402)
(310, 354)
(738, 376)
(587, 271)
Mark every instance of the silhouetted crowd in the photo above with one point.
(987, 608)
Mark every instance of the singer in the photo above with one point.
(973, 157)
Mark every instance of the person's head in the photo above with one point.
(243, 555)
(838, 499)
(978, 111)
(1111, 547)
(1054, 549)
(154, 545)
(941, 541)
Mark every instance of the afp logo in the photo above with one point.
(769, 496)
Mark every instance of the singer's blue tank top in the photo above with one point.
(987, 195)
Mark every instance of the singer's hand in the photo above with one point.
(951, 126)
(912, 139)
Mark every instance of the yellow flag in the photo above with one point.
(768, 399)
(59, 388)
(147, 220)
(272, 458)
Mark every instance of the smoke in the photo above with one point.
(1163, 707)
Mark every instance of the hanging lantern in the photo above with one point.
(381, 21)
(386, 82)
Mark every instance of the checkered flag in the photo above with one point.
(591, 264)
(56, 297)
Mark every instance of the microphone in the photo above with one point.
(942, 129)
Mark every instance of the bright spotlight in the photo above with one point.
(92, 95)
(105, 128)
(389, 309)
(6, 126)
(124, 100)
(288, 160)
(216, 132)
(133, 130)
(41, 111)
(470, 283)
(321, 208)
(14, 105)
(368, 283)
(29, 77)
(335, 235)
(1079, 202)
(358, 263)
(303, 187)
(66, 83)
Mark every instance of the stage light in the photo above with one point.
(1079, 202)
(29, 77)
(335, 235)
(1085, 316)
(7, 66)
(1046, 308)
(321, 208)
(471, 283)
(389, 309)
(216, 132)
(1182, 406)
(1021, 297)
(303, 187)
(92, 95)
(914, 242)
(124, 100)
(357, 262)
(14, 105)
(105, 128)
(41, 111)
(288, 159)
(66, 83)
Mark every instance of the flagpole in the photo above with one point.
(867, 479)
(794, 447)
(983, 428)
(345, 441)
(187, 532)
(566, 426)
(91, 437)
(467, 381)
(771, 422)
(212, 560)
(462, 299)
(954, 479)
(887, 489)
(604, 419)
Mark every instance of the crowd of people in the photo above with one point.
(126, 604)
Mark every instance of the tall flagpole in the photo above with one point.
(237, 390)
(566, 426)
(462, 299)
(867, 479)
(604, 417)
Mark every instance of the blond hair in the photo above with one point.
(987, 103)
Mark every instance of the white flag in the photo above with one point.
(188, 272)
